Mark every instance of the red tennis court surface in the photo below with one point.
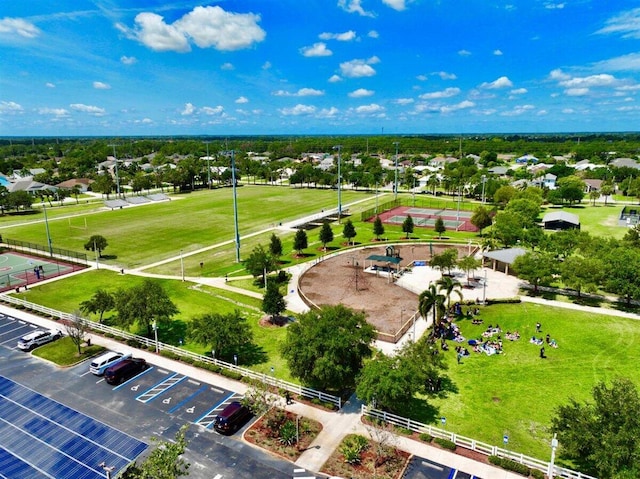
(454, 220)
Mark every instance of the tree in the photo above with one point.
(166, 461)
(300, 241)
(76, 328)
(535, 267)
(582, 273)
(275, 247)
(145, 304)
(508, 227)
(386, 382)
(439, 226)
(273, 303)
(407, 226)
(504, 194)
(260, 263)
(606, 190)
(468, 264)
(603, 436)
(326, 234)
(431, 299)
(449, 286)
(101, 302)
(326, 347)
(445, 260)
(481, 218)
(593, 196)
(96, 242)
(378, 227)
(622, 273)
(226, 334)
(349, 231)
(18, 199)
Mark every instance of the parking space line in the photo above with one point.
(150, 394)
(184, 401)
(137, 376)
(207, 418)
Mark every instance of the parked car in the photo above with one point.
(38, 338)
(100, 364)
(124, 369)
(232, 418)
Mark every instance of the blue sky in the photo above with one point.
(144, 67)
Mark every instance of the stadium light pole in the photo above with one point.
(484, 181)
(554, 445)
(117, 176)
(395, 183)
(46, 224)
(182, 265)
(339, 148)
(208, 167)
(235, 204)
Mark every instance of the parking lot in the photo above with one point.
(155, 403)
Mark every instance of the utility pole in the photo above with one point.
(395, 183)
(235, 204)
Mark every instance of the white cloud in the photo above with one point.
(445, 75)
(422, 78)
(602, 79)
(242, 99)
(341, 37)
(128, 60)
(300, 92)
(398, 5)
(458, 106)
(568, 110)
(559, 75)
(446, 93)
(577, 91)
(227, 66)
(497, 53)
(627, 24)
(518, 110)
(629, 62)
(316, 50)
(542, 112)
(554, 6)
(98, 85)
(359, 68)
(502, 82)
(204, 26)
(208, 110)
(360, 93)
(298, 110)
(369, 109)
(58, 112)
(10, 107)
(354, 6)
(266, 65)
(188, 109)
(404, 101)
(18, 26)
(373, 34)
(464, 53)
(519, 91)
(328, 112)
(335, 79)
(92, 110)
(50, 85)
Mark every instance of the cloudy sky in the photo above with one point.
(151, 67)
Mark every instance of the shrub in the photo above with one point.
(228, 373)
(445, 443)
(169, 354)
(425, 437)
(352, 448)
(537, 474)
(510, 465)
(403, 430)
(288, 433)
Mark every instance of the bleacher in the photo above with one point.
(137, 200)
(158, 197)
(114, 204)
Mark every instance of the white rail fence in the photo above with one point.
(472, 444)
(151, 343)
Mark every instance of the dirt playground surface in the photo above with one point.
(338, 281)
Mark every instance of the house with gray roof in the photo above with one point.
(561, 220)
(502, 259)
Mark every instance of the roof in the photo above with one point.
(384, 259)
(561, 216)
(508, 255)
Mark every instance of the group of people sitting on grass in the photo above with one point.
(491, 331)
(540, 342)
(512, 336)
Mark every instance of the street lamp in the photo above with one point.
(554, 446)
(484, 288)
(155, 333)
(235, 204)
(208, 167)
(107, 469)
(182, 265)
(117, 177)
(339, 148)
(395, 183)
(484, 181)
(46, 224)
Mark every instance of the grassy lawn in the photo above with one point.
(64, 353)
(516, 393)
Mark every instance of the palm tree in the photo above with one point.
(449, 286)
(431, 299)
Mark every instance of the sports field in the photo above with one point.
(20, 270)
(453, 219)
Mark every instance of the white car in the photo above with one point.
(100, 364)
(38, 338)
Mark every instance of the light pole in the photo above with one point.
(395, 183)
(339, 148)
(155, 333)
(484, 288)
(182, 265)
(484, 181)
(235, 204)
(107, 469)
(554, 445)
(458, 214)
(414, 328)
(117, 177)
(46, 224)
(96, 251)
(208, 167)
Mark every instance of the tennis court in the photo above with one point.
(453, 219)
(43, 439)
(19, 269)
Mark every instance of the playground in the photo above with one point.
(454, 219)
(21, 270)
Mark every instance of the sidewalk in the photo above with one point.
(335, 425)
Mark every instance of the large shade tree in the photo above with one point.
(326, 347)
(226, 334)
(145, 304)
